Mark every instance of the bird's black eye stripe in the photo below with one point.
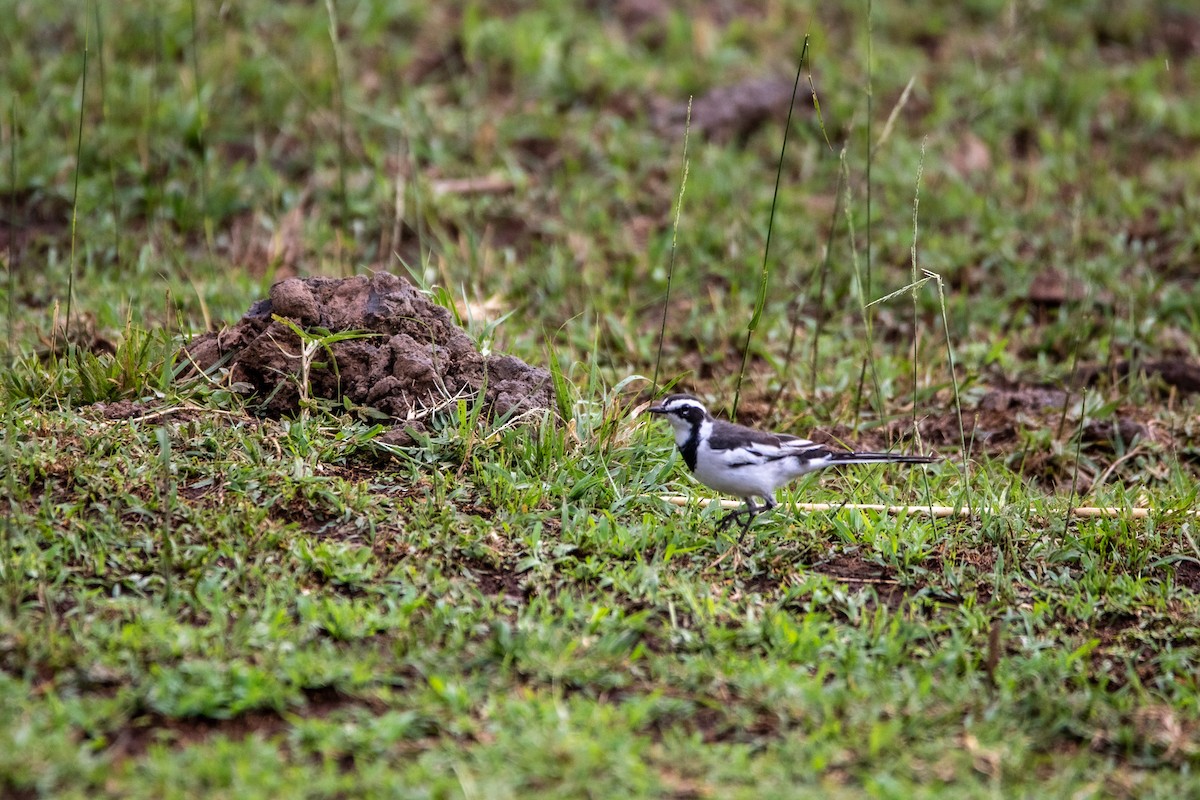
(688, 412)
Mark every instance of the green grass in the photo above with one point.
(196, 601)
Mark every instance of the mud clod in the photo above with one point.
(412, 355)
(293, 299)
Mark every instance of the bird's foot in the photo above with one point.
(743, 517)
(726, 522)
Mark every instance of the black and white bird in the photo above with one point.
(741, 461)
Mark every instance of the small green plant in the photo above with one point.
(314, 343)
(142, 364)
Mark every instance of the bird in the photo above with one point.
(749, 463)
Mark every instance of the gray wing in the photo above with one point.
(760, 446)
(728, 436)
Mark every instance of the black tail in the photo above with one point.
(880, 458)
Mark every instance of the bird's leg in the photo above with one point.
(733, 516)
(754, 511)
(727, 520)
(749, 513)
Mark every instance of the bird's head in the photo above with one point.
(683, 411)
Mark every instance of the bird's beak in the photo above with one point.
(656, 410)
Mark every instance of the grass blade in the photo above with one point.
(87, 30)
(662, 333)
(12, 216)
(764, 276)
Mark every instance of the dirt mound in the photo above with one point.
(414, 357)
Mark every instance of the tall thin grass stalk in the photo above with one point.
(87, 35)
(812, 89)
(149, 187)
(339, 94)
(12, 217)
(868, 318)
(913, 273)
(870, 147)
(201, 128)
(962, 433)
(425, 241)
(166, 502)
(894, 115)
(864, 306)
(662, 332)
(1062, 420)
(9, 567)
(10, 570)
(826, 262)
(912, 287)
(822, 273)
(112, 170)
(916, 329)
(1134, 346)
(819, 275)
(765, 275)
(1078, 449)
(401, 189)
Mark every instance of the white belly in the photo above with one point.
(752, 480)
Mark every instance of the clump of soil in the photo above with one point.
(414, 357)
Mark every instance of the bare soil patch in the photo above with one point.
(31, 216)
(503, 581)
(1187, 573)
(135, 738)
